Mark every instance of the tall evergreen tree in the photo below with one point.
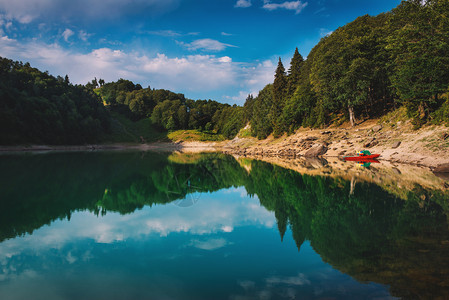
(261, 125)
(294, 72)
(279, 92)
(248, 108)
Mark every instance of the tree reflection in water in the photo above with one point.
(358, 228)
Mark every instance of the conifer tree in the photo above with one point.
(294, 72)
(279, 91)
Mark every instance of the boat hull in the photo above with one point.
(366, 158)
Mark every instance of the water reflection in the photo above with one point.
(72, 223)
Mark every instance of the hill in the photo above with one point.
(363, 70)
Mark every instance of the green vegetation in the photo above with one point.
(125, 130)
(363, 70)
(441, 115)
(194, 135)
(36, 107)
(170, 111)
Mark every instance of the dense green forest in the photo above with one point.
(169, 110)
(36, 107)
(363, 230)
(362, 70)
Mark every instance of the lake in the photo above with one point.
(148, 225)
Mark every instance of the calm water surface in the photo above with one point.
(156, 226)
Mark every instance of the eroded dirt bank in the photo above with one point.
(408, 157)
(428, 146)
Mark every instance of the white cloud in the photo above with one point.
(206, 44)
(25, 11)
(243, 3)
(225, 59)
(325, 32)
(198, 74)
(209, 217)
(262, 72)
(169, 33)
(299, 280)
(83, 35)
(67, 34)
(226, 34)
(209, 244)
(275, 286)
(242, 95)
(297, 6)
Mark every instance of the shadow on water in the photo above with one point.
(360, 228)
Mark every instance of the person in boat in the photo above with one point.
(363, 153)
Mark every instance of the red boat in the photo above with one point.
(364, 158)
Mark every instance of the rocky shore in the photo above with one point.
(427, 147)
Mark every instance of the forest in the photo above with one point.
(169, 110)
(36, 107)
(362, 70)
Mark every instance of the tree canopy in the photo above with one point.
(362, 70)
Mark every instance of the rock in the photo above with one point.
(395, 145)
(396, 170)
(376, 128)
(326, 132)
(316, 150)
(444, 136)
(443, 168)
(370, 143)
(342, 152)
(315, 162)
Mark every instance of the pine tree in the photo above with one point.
(248, 108)
(279, 92)
(294, 72)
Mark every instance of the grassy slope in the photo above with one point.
(127, 131)
(194, 135)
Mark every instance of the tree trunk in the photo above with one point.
(353, 182)
(351, 116)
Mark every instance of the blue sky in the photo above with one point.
(206, 49)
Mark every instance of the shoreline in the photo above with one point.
(427, 147)
(200, 147)
(90, 147)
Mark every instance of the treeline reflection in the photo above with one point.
(365, 231)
